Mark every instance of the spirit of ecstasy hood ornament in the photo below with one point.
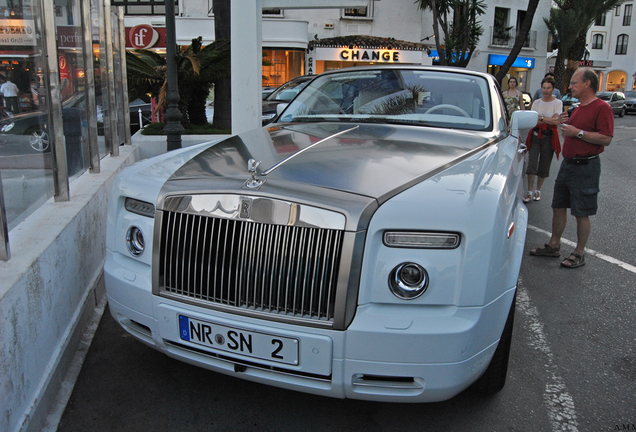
(252, 164)
(253, 183)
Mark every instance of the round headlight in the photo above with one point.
(408, 281)
(135, 241)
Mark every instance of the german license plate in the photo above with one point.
(253, 344)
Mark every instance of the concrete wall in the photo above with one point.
(48, 291)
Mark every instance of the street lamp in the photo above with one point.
(173, 128)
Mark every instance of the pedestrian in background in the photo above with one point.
(513, 97)
(10, 92)
(586, 134)
(543, 140)
(555, 92)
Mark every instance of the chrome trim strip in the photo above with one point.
(248, 313)
(264, 210)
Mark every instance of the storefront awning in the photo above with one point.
(367, 42)
(435, 55)
(17, 53)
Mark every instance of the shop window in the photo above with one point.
(621, 44)
(627, 18)
(281, 65)
(600, 21)
(597, 41)
(501, 35)
(144, 7)
(273, 13)
(362, 12)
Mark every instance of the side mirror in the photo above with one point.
(280, 108)
(523, 120)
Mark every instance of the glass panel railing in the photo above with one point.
(26, 162)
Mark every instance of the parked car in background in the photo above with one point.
(570, 102)
(34, 124)
(283, 94)
(267, 91)
(616, 100)
(630, 101)
(365, 245)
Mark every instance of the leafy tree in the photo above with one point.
(458, 20)
(569, 22)
(522, 37)
(197, 68)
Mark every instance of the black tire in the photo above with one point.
(622, 113)
(494, 378)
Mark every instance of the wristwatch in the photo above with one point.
(580, 134)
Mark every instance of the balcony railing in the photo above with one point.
(505, 38)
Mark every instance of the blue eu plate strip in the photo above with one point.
(184, 328)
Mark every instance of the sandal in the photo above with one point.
(547, 251)
(578, 261)
(537, 195)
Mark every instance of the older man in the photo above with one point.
(586, 134)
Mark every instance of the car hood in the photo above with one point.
(370, 160)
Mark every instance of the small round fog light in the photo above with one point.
(408, 281)
(135, 241)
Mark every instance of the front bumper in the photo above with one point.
(391, 353)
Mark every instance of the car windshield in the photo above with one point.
(630, 94)
(288, 91)
(604, 96)
(416, 97)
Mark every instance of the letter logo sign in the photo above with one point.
(143, 36)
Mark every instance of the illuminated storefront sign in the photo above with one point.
(370, 55)
(17, 32)
(520, 62)
(144, 36)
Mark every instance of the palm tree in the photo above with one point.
(569, 22)
(458, 20)
(197, 68)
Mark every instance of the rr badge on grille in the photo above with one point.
(246, 208)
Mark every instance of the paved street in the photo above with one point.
(572, 366)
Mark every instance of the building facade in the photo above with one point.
(610, 48)
(297, 42)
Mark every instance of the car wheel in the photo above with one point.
(494, 378)
(622, 113)
(38, 139)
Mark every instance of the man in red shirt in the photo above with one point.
(586, 134)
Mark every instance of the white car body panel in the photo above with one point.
(440, 342)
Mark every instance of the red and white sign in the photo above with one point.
(142, 36)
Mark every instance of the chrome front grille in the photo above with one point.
(277, 270)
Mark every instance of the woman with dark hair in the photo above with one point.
(543, 140)
(513, 97)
